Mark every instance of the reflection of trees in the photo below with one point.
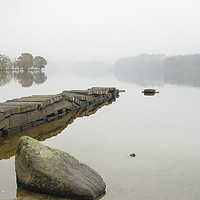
(5, 77)
(188, 78)
(157, 78)
(25, 78)
(39, 77)
(140, 77)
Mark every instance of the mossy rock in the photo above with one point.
(43, 169)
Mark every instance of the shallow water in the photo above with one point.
(162, 130)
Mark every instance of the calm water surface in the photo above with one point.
(162, 130)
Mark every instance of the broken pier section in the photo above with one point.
(25, 112)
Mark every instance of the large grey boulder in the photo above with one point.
(42, 169)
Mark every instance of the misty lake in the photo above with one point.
(162, 130)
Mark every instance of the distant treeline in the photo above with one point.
(24, 62)
(149, 62)
(183, 62)
(157, 70)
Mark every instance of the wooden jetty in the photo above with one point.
(25, 112)
(50, 129)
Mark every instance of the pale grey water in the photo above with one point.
(162, 130)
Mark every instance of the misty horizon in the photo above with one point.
(74, 31)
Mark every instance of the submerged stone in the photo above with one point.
(43, 169)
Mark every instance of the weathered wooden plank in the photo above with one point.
(47, 101)
(34, 104)
(42, 113)
(6, 111)
(18, 120)
(10, 109)
(56, 106)
(74, 95)
(43, 100)
(96, 92)
(54, 98)
(34, 115)
(4, 124)
(101, 90)
(82, 92)
(2, 116)
(18, 107)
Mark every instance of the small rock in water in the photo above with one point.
(150, 92)
(42, 169)
(132, 155)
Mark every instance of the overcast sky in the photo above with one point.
(86, 30)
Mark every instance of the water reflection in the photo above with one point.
(5, 77)
(159, 78)
(24, 78)
(149, 94)
(8, 144)
(27, 195)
